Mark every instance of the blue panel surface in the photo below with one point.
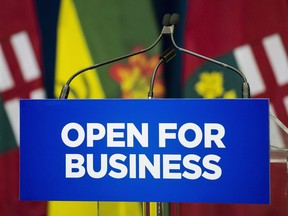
(166, 150)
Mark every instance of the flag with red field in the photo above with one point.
(253, 37)
(20, 78)
(249, 35)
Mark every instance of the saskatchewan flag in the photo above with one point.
(90, 32)
(95, 31)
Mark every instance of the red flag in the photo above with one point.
(20, 77)
(254, 32)
(253, 36)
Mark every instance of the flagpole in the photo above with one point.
(160, 208)
(146, 211)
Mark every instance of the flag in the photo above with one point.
(20, 77)
(98, 31)
(92, 32)
(253, 37)
(255, 41)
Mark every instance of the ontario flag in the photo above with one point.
(253, 37)
(20, 78)
(249, 35)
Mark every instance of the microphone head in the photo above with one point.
(166, 20)
(174, 19)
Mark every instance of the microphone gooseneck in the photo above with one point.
(66, 88)
(165, 57)
(168, 22)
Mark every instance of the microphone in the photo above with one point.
(165, 57)
(170, 30)
(174, 19)
(166, 20)
(66, 88)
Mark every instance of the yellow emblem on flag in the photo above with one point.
(211, 85)
(134, 76)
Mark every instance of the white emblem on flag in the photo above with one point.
(25, 55)
(277, 57)
(6, 81)
(247, 64)
(13, 113)
(38, 94)
(30, 71)
(285, 101)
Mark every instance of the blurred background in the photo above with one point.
(42, 43)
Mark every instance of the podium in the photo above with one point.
(160, 150)
(279, 185)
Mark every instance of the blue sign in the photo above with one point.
(158, 150)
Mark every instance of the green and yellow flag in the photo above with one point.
(95, 31)
(92, 32)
